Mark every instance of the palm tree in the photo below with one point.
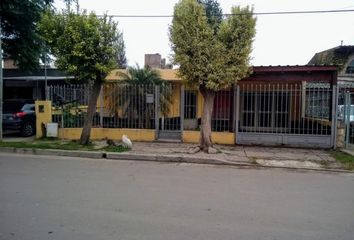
(128, 97)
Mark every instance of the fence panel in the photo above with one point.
(345, 113)
(292, 113)
(128, 106)
(119, 105)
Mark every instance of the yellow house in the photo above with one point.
(276, 105)
(191, 112)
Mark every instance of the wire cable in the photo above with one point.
(230, 14)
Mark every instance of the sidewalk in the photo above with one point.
(249, 156)
(238, 155)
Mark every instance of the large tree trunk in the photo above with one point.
(91, 110)
(205, 130)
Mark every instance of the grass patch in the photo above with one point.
(61, 145)
(114, 149)
(346, 159)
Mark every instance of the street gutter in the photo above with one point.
(153, 157)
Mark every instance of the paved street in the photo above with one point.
(74, 198)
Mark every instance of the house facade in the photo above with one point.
(275, 105)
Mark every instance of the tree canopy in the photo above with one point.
(212, 52)
(85, 46)
(21, 40)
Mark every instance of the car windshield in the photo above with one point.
(28, 107)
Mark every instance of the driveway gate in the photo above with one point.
(293, 114)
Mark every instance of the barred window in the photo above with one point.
(190, 104)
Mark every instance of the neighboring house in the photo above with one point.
(343, 58)
(18, 84)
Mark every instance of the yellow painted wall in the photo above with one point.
(110, 133)
(217, 137)
(200, 102)
(176, 101)
(43, 116)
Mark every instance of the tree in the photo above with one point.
(86, 47)
(212, 52)
(136, 83)
(121, 57)
(21, 40)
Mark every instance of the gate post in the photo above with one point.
(237, 110)
(347, 118)
(157, 110)
(101, 107)
(182, 110)
(335, 95)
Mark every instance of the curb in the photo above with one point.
(53, 152)
(153, 157)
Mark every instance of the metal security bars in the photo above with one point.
(118, 106)
(345, 113)
(285, 113)
(128, 106)
(69, 104)
(285, 108)
(223, 114)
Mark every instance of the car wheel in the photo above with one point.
(27, 129)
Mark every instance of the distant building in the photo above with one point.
(29, 85)
(343, 58)
(155, 61)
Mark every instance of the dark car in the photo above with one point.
(19, 115)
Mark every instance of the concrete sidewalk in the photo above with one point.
(240, 155)
(251, 156)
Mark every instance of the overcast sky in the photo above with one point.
(280, 39)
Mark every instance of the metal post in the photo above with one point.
(182, 110)
(101, 107)
(45, 77)
(1, 83)
(157, 111)
(347, 118)
(237, 111)
(335, 115)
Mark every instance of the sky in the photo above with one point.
(279, 40)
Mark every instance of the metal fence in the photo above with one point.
(285, 108)
(296, 114)
(118, 106)
(345, 113)
(69, 103)
(127, 106)
(257, 112)
(223, 113)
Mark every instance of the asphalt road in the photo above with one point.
(73, 198)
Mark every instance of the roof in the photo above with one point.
(166, 74)
(337, 56)
(171, 74)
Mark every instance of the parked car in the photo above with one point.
(19, 116)
(340, 113)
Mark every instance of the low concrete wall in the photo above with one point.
(217, 137)
(110, 133)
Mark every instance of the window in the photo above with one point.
(265, 110)
(318, 101)
(190, 104)
(350, 67)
